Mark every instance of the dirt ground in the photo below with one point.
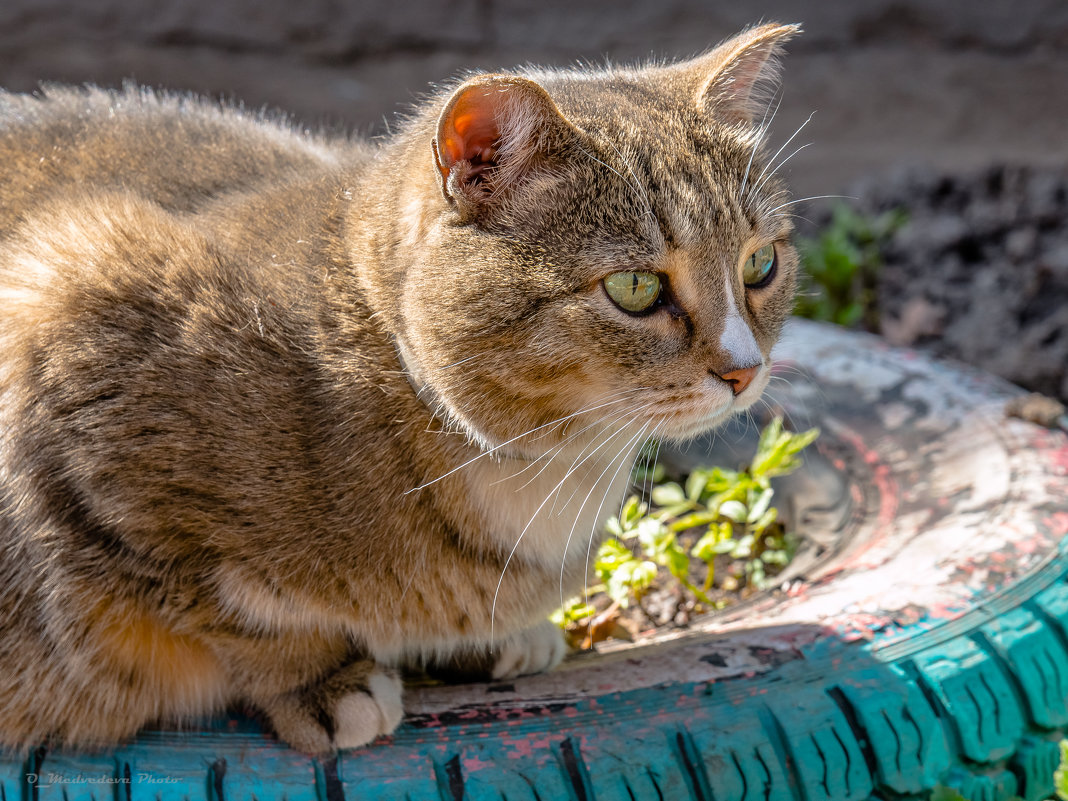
(979, 272)
(944, 88)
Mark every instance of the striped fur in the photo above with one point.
(281, 413)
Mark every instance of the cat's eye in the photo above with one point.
(633, 292)
(759, 268)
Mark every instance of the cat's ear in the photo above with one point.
(736, 80)
(491, 131)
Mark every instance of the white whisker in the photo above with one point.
(648, 210)
(509, 442)
(652, 471)
(575, 462)
(636, 183)
(578, 514)
(578, 460)
(556, 449)
(596, 517)
(519, 539)
(784, 145)
(633, 414)
(771, 174)
(811, 197)
(758, 139)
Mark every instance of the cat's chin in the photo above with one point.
(684, 430)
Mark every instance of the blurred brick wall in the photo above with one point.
(953, 83)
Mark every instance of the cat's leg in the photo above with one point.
(348, 709)
(532, 650)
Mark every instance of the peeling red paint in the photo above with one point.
(473, 764)
(1057, 524)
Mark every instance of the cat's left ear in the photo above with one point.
(735, 81)
(493, 130)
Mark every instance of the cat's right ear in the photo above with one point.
(735, 81)
(492, 131)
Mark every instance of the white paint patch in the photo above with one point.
(737, 339)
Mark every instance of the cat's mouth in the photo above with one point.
(691, 416)
(673, 419)
(679, 426)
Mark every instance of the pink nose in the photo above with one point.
(740, 379)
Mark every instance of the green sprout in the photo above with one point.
(574, 610)
(842, 266)
(712, 515)
(1060, 776)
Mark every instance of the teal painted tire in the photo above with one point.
(922, 638)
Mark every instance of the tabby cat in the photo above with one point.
(281, 414)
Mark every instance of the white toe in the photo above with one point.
(534, 650)
(359, 717)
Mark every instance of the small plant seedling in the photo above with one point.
(1060, 776)
(842, 265)
(707, 534)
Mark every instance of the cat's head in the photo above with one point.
(612, 242)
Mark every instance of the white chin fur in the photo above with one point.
(688, 429)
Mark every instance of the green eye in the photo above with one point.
(633, 292)
(759, 267)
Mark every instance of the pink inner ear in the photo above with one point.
(470, 131)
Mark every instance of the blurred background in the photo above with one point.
(951, 112)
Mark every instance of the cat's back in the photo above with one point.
(108, 196)
(161, 262)
(180, 152)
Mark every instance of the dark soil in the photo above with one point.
(667, 604)
(979, 273)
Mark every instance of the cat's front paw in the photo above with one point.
(362, 715)
(351, 708)
(532, 650)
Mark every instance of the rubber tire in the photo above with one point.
(923, 640)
